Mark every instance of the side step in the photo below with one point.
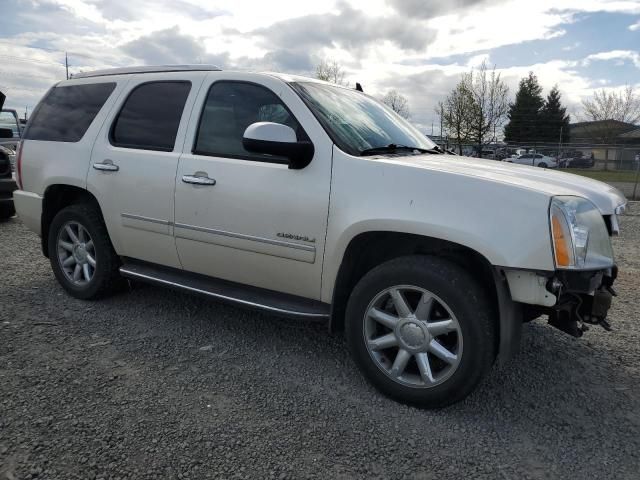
(277, 303)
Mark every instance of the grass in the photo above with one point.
(603, 176)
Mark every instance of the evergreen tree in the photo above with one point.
(554, 118)
(525, 113)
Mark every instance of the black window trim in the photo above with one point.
(251, 158)
(122, 105)
(53, 87)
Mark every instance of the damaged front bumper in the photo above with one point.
(584, 299)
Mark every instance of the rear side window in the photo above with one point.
(150, 116)
(65, 114)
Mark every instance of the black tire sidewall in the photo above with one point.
(87, 216)
(7, 210)
(461, 294)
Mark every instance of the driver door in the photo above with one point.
(247, 217)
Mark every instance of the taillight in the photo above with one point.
(19, 166)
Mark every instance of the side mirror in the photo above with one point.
(276, 139)
(6, 133)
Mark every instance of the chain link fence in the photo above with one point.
(615, 164)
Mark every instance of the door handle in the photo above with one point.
(106, 166)
(198, 180)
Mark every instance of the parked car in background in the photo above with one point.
(9, 121)
(534, 160)
(7, 183)
(583, 161)
(314, 201)
(7, 167)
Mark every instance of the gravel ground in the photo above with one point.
(157, 384)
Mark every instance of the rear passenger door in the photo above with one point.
(134, 161)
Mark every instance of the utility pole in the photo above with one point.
(66, 64)
(432, 128)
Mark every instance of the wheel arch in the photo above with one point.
(55, 198)
(369, 249)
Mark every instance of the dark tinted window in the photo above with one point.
(150, 116)
(64, 115)
(229, 109)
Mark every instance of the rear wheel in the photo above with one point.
(82, 257)
(542, 165)
(421, 331)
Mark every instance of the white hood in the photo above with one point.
(551, 182)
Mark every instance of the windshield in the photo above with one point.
(357, 122)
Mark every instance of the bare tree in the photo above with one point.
(455, 112)
(330, 71)
(398, 103)
(490, 103)
(623, 106)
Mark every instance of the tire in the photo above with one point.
(7, 210)
(455, 296)
(542, 165)
(104, 278)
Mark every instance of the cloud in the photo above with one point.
(349, 29)
(171, 47)
(619, 55)
(635, 26)
(422, 9)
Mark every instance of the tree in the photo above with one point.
(554, 125)
(330, 71)
(623, 106)
(455, 112)
(525, 113)
(398, 103)
(489, 106)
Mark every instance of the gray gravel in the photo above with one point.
(157, 384)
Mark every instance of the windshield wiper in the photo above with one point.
(393, 148)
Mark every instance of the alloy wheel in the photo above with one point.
(413, 336)
(76, 253)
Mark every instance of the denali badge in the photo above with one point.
(292, 236)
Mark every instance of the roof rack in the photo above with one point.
(146, 69)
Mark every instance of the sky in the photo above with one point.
(418, 47)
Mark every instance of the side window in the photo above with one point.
(150, 116)
(230, 107)
(65, 113)
(8, 120)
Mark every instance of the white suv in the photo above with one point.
(312, 200)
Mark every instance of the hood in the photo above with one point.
(550, 182)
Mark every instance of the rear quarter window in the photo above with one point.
(65, 113)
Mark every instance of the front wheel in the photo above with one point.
(542, 165)
(421, 330)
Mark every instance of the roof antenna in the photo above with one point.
(359, 87)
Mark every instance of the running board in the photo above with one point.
(276, 303)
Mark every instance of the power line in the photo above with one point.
(75, 54)
(30, 60)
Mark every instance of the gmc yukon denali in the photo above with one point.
(314, 201)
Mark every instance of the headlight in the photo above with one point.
(580, 236)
